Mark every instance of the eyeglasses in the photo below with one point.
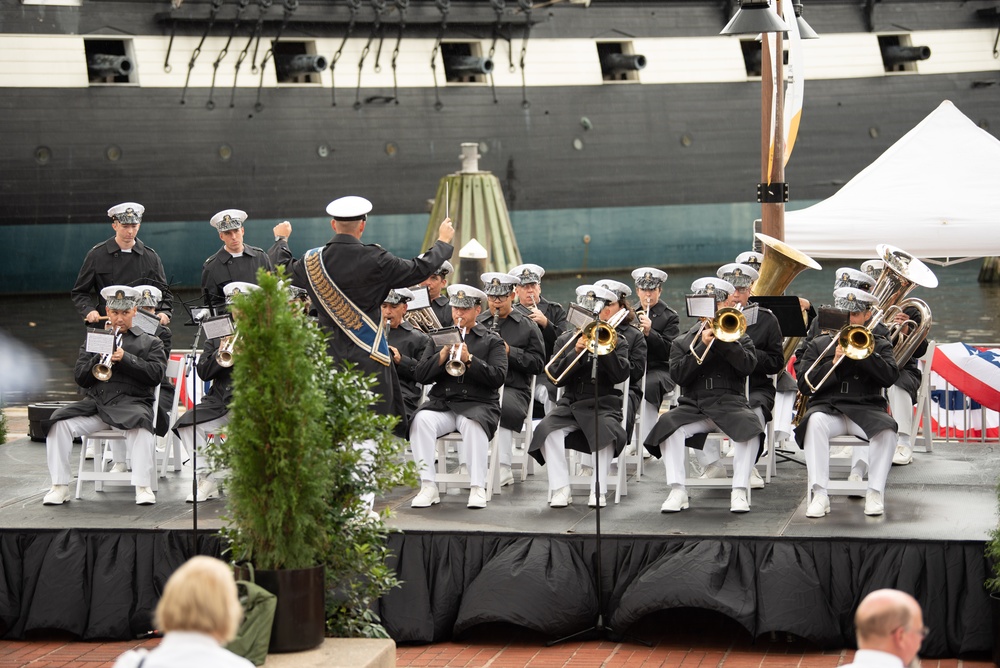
(498, 298)
(923, 631)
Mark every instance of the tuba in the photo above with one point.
(781, 265)
(423, 319)
(901, 274)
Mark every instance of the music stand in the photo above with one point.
(598, 628)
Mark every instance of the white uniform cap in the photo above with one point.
(398, 296)
(750, 257)
(713, 285)
(230, 219)
(873, 267)
(497, 283)
(740, 275)
(127, 213)
(648, 278)
(237, 287)
(446, 269)
(349, 208)
(617, 287)
(853, 299)
(120, 297)
(149, 296)
(465, 296)
(848, 277)
(587, 295)
(528, 273)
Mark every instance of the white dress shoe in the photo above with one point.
(592, 501)
(207, 489)
(90, 450)
(586, 471)
(506, 476)
(676, 501)
(144, 496)
(715, 470)
(119, 467)
(427, 497)
(858, 478)
(477, 498)
(58, 495)
(738, 501)
(756, 482)
(819, 506)
(629, 450)
(903, 455)
(873, 503)
(561, 498)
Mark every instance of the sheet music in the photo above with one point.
(578, 316)
(100, 341)
(219, 326)
(146, 322)
(421, 298)
(700, 306)
(448, 336)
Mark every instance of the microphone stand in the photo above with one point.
(599, 628)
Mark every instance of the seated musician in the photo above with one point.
(437, 284)
(525, 349)
(850, 401)
(468, 403)
(660, 325)
(212, 412)
(407, 346)
(572, 421)
(550, 318)
(123, 401)
(629, 328)
(713, 398)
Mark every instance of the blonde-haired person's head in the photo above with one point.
(201, 596)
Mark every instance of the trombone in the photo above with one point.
(600, 338)
(102, 370)
(728, 325)
(857, 342)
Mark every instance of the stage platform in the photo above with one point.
(94, 567)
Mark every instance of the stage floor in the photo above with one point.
(946, 495)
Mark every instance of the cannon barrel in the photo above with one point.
(623, 62)
(463, 65)
(107, 65)
(300, 63)
(895, 55)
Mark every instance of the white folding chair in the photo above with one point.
(168, 447)
(522, 439)
(923, 417)
(446, 479)
(615, 480)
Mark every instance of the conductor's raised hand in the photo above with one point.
(446, 231)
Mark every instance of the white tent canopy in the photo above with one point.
(935, 193)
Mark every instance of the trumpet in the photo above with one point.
(455, 366)
(728, 325)
(102, 370)
(224, 356)
(600, 338)
(857, 342)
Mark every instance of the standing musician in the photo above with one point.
(525, 349)
(407, 346)
(713, 397)
(123, 401)
(550, 318)
(212, 413)
(571, 422)
(468, 403)
(235, 261)
(660, 325)
(850, 401)
(121, 260)
(636, 348)
(436, 285)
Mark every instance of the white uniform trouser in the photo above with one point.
(784, 411)
(186, 434)
(648, 414)
(824, 426)
(428, 426)
(712, 452)
(674, 454)
(557, 468)
(901, 407)
(505, 441)
(59, 444)
(542, 395)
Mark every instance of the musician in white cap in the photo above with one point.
(212, 412)
(660, 325)
(235, 261)
(550, 318)
(525, 358)
(122, 401)
(437, 293)
(468, 403)
(637, 349)
(849, 401)
(585, 401)
(873, 268)
(713, 398)
(751, 258)
(121, 260)
(407, 346)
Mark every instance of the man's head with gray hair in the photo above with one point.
(888, 620)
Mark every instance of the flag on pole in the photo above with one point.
(769, 45)
(795, 74)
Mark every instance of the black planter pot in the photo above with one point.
(995, 605)
(300, 618)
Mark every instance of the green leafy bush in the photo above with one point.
(3, 425)
(993, 553)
